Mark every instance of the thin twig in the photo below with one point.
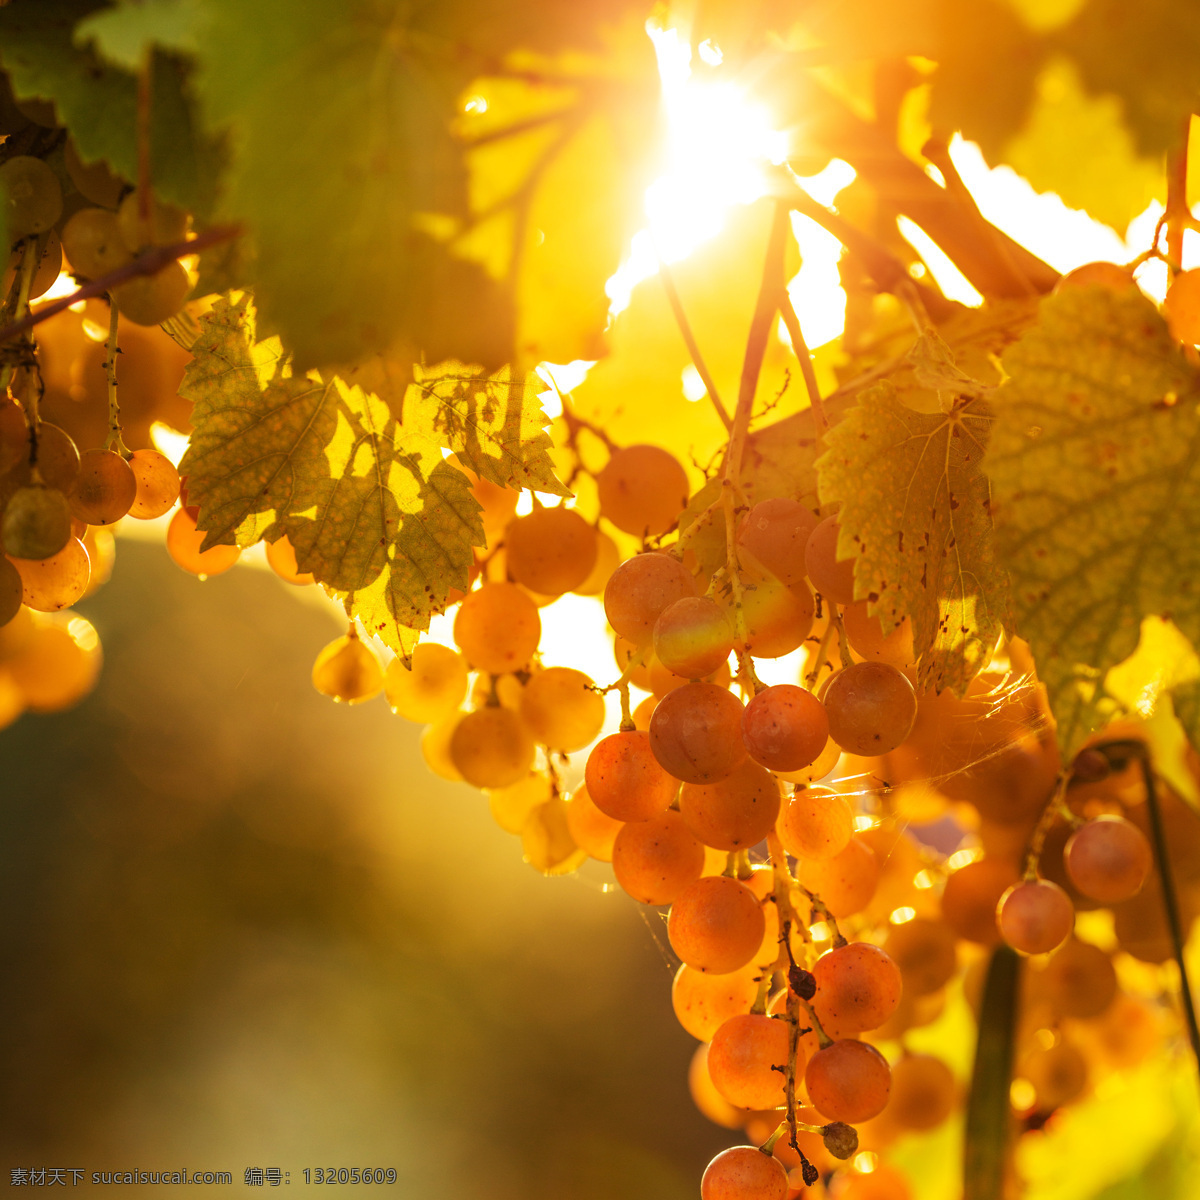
(804, 358)
(1177, 210)
(149, 263)
(111, 350)
(144, 203)
(689, 340)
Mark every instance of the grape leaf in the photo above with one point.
(371, 507)
(1095, 468)
(98, 102)
(494, 423)
(125, 33)
(915, 509)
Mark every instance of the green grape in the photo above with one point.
(49, 265)
(348, 671)
(151, 299)
(91, 240)
(105, 488)
(31, 195)
(37, 522)
(166, 224)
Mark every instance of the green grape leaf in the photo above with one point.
(125, 34)
(370, 506)
(495, 424)
(1095, 469)
(915, 509)
(98, 102)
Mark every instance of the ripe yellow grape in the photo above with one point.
(692, 637)
(281, 557)
(716, 924)
(593, 831)
(926, 952)
(512, 806)
(774, 533)
(743, 1056)
(703, 1002)
(36, 523)
(1108, 859)
(815, 823)
(1035, 916)
(105, 487)
(151, 299)
(497, 628)
(624, 778)
(561, 709)
(91, 240)
(492, 747)
(846, 882)
(435, 748)
(871, 708)
(834, 579)
(49, 264)
(924, 1092)
(744, 1173)
(434, 687)
(866, 637)
(638, 591)
(848, 1081)
(546, 840)
(57, 457)
(608, 559)
(57, 582)
(778, 618)
(157, 489)
(348, 670)
(785, 727)
(642, 489)
(655, 860)
(735, 812)
(550, 551)
(705, 1096)
(183, 545)
(858, 987)
(1182, 307)
(695, 733)
(58, 665)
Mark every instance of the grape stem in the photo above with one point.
(820, 906)
(149, 263)
(19, 300)
(835, 619)
(111, 350)
(1056, 807)
(800, 349)
(810, 680)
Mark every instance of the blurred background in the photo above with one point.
(246, 927)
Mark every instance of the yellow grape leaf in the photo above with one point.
(1095, 467)
(915, 509)
(494, 423)
(371, 507)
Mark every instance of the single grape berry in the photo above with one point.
(184, 541)
(926, 952)
(57, 582)
(105, 487)
(703, 1002)
(871, 708)
(924, 1092)
(94, 180)
(848, 1081)
(858, 987)
(498, 628)
(778, 618)
(841, 1140)
(638, 591)
(91, 240)
(550, 551)
(1079, 980)
(971, 896)
(492, 748)
(431, 689)
(1035, 916)
(695, 733)
(784, 727)
(593, 831)
(815, 823)
(157, 483)
(867, 639)
(625, 780)
(655, 860)
(716, 924)
(774, 534)
(744, 1173)
(348, 671)
(164, 224)
(562, 709)
(643, 489)
(692, 637)
(743, 1058)
(37, 522)
(152, 299)
(832, 577)
(1108, 859)
(31, 195)
(735, 812)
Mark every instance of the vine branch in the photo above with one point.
(668, 282)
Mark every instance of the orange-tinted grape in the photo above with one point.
(825, 762)
(1059, 1074)
(608, 559)
(497, 628)
(655, 860)
(971, 896)
(871, 708)
(703, 1002)
(347, 670)
(884, 1182)
(91, 240)
(692, 638)
(785, 727)
(834, 579)
(281, 558)
(561, 709)
(550, 551)
(492, 747)
(744, 1173)
(546, 840)
(11, 589)
(815, 823)
(716, 924)
(775, 533)
(846, 882)
(1182, 307)
(57, 582)
(624, 778)
(151, 299)
(705, 1096)
(183, 545)
(594, 831)
(1035, 916)
(735, 812)
(1108, 859)
(848, 1081)
(926, 953)
(695, 733)
(743, 1056)
(157, 483)
(640, 589)
(1079, 980)
(37, 522)
(858, 987)
(105, 487)
(57, 458)
(1107, 275)
(432, 688)
(924, 1092)
(866, 637)
(643, 489)
(777, 618)
(58, 665)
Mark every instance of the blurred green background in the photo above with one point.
(243, 926)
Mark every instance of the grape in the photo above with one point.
(1126, 1034)
(94, 180)
(10, 590)
(871, 708)
(498, 628)
(866, 637)
(655, 860)
(1035, 916)
(31, 196)
(885, 1182)
(638, 591)
(512, 806)
(57, 458)
(926, 953)
(57, 582)
(735, 812)
(101, 547)
(157, 484)
(643, 489)
(858, 987)
(492, 747)
(624, 778)
(431, 689)
(971, 896)
(1079, 980)
(1108, 859)
(550, 551)
(561, 709)
(778, 618)
(705, 1096)
(37, 523)
(49, 265)
(825, 761)
(774, 534)
(815, 823)
(742, 1059)
(695, 733)
(1059, 1074)
(164, 224)
(663, 681)
(832, 578)
(14, 435)
(924, 1092)
(183, 545)
(593, 831)
(785, 728)
(744, 1173)
(58, 665)
(846, 882)
(692, 638)
(608, 559)
(848, 1081)
(91, 240)
(1182, 307)
(347, 670)
(435, 749)
(716, 924)
(39, 111)
(546, 840)
(704, 1002)
(105, 487)
(1106, 275)
(643, 712)
(152, 299)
